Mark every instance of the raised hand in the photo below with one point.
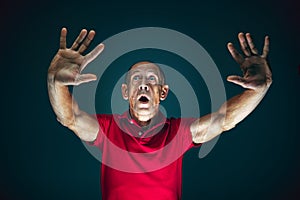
(256, 71)
(68, 63)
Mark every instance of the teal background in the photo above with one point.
(40, 159)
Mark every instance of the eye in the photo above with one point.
(152, 78)
(136, 78)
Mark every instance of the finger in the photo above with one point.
(94, 53)
(237, 80)
(84, 78)
(235, 54)
(266, 47)
(244, 44)
(91, 56)
(251, 44)
(62, 40)
(87, 41)
(79, 39)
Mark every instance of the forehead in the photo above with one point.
(145, 67)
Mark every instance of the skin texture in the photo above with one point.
(145, 80)
(256, 79)
(65, 69)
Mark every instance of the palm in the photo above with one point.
(256, 71)
(68, 63)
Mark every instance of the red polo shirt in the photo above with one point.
(142, 163)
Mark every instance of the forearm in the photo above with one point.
(68, 113)
(61, 101)
(240, 106)
(231, 113)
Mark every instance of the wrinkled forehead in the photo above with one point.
(145, 67)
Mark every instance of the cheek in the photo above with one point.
(156, 96)
(131, 101)
(132, 92)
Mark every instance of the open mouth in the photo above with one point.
(144, 99)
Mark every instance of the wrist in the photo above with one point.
(266, 86)
(51, 80)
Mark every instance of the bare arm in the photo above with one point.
(256, 80)
(65, 70)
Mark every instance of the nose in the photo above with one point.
(144, 87)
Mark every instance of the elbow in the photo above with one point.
(84, 133)
(199, 138)
(66, 123)
(206, 135)
(204, 131)
(86, 136)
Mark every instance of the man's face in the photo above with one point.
(144, 90)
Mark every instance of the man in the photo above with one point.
(149, 169)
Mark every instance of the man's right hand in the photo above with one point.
(68, 63)
(65, 69)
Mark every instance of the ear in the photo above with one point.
(124, 91)
(164, 92)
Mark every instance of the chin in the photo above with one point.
(144, 115)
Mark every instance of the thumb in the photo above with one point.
(84, 78)
(237, 80)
